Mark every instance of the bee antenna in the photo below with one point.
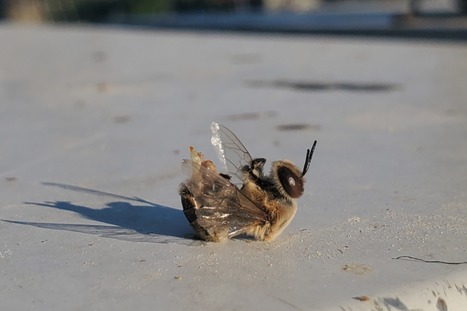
(309, 154)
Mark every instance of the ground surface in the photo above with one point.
(95, 122)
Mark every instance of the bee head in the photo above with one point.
(287, 177)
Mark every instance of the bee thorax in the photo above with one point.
(282, 215)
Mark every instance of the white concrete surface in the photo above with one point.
(87, 111)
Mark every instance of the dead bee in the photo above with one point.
(261, 207)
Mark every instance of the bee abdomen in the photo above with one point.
(189, 209)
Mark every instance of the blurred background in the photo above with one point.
(426, 18)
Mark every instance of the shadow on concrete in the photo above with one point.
(152, 222)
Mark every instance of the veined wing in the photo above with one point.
(230, 150)
(223, 209)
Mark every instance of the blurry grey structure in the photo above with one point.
(101, 10)
(462, 6)
(415, 6)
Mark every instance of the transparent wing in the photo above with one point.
(222, 207)
(230, 150)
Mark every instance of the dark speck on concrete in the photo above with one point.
(251, 115)
(297, 127)
(121, 118)
(441, 305)
(310, 86)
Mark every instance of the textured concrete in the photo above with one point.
(94, 124)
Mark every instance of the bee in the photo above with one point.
(245, 200)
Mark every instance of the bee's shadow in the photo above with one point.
(146, 222)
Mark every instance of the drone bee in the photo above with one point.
(261, 206)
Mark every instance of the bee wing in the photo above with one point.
(230, 150)
(222, 208)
